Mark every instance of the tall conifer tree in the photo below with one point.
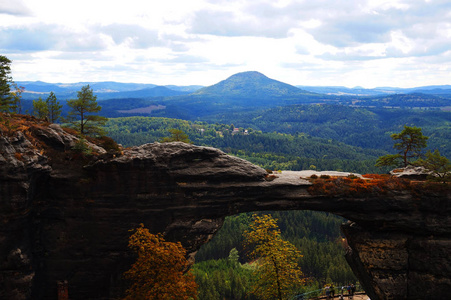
(40, 108)
(6, 98)
(54, 107)
(81, 115)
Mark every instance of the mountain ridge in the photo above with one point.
(255, 84)
(378, 91)
(103, 90)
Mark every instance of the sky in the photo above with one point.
(367, 43)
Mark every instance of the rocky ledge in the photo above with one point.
(66, 216)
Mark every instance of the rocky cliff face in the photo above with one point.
(66, 216)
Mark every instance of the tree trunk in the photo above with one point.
(279, 291)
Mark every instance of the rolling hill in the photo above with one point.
(252, 85)
(103, 90)
(239, 92)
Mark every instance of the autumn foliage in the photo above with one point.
(11, 125)
(160, 271)
(16, 125)
(356, 186)
(277, 273)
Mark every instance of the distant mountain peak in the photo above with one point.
(248, 74)
(251, 84)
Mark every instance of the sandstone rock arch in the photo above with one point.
(72, 224)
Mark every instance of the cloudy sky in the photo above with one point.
(369, 43)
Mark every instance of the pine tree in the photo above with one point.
(6, 98)
(438, 165)
(40, 108)
(410, 143)
(16, 105)
(81, 115)
(54, 108)
(177, 135)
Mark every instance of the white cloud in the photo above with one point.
(16, 7)
(322, 42)
(134, 36)
(40, 37)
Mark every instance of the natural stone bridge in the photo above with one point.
(63, 222)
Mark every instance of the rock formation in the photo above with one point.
(66, 216)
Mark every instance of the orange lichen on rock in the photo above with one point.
(30, 137)
(371, 183)
(18, 156)
(10, 125)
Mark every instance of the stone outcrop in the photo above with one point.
(66, 216)
(411, 172)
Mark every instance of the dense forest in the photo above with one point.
(297, 137)
(369, 128)
(276, 151)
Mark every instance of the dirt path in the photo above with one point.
(356, 297)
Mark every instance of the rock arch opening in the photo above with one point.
(316, 234)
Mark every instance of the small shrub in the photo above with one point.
(70, 130)
(109, 144)
(376, 176)
(271, 177)
(82, 147)
(324, 176)
(314, 176)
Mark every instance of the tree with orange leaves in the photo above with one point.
(160, 271)
(278, 275)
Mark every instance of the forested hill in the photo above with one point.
(362, 127)
(252, 85)
(238, 93)
(297, 136)
(272, 150)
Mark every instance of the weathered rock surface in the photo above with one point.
(411, 172)
(69, 219)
